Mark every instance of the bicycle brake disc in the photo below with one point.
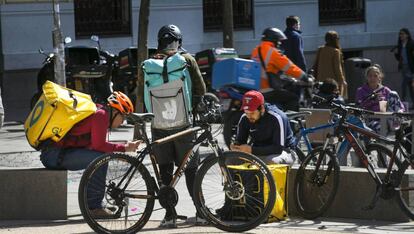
(235, 191)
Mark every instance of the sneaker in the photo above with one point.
(168, 223)
(201, 221)
(101, 213)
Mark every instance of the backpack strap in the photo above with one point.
(165, 70)
(262, 62)
(75, 100)
(274, 79)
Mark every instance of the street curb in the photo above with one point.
(20, 159)
(5, 154)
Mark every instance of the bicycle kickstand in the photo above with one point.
(375, 199)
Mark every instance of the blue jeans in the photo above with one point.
(77, 159)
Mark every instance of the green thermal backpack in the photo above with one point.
(167, 91)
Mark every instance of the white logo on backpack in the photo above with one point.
(170, 111)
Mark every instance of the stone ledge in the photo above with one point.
(33, 194)
(356, 190)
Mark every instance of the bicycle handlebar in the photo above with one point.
(345, 109)
(207, 111)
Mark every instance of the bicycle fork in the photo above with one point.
(232, 188)
(321, 159)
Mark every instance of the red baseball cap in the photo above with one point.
(252, 100)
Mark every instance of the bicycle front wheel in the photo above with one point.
(238, 202)
(120, 186)
(316, 183)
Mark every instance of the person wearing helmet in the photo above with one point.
(273, 64)
(87, 140)
(170, 43)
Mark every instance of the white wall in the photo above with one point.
(27, 27)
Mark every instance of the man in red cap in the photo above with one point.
(268, 128)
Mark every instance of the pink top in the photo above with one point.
(91, 133)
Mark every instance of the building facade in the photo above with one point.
(367, 28)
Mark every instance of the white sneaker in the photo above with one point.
(168, 223)
(201, 221)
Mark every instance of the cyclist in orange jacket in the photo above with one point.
(273, 64)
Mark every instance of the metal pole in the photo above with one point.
(228, 24)
(59, 48)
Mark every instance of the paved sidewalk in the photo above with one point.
(16, 152)
(294, 225)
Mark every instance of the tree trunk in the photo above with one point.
(141, 56)
(228, 24)
(59, 48)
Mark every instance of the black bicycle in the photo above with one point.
(317, 178)
(131, 191)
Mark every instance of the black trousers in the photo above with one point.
(172, 153)
(283, 98)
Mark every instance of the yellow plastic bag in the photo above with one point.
(280, 175)
(246, 172)
(55, 113)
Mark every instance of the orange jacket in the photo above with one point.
(274, 62)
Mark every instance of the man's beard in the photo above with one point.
(252, 120)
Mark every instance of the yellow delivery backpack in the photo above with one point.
(257, 191)
(55, 113)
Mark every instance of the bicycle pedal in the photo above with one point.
(182, 217)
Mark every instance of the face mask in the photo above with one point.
(172, 46)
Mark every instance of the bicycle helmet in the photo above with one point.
(121, 102)
(169, 31)
(169, 37)
(273, 35)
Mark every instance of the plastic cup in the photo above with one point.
(383, 106)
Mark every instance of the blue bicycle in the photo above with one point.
(303, 145)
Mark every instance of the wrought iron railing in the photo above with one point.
(341, 11)
(213, 14)
(102, 17)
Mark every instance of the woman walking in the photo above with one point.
(329, 62)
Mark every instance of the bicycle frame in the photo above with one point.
(348, 128)
(205, 135)
(344, 146)
(305, 131)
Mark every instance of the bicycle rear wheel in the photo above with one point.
(126, 190)
(316, 183)
(216, 198)
(405, 188)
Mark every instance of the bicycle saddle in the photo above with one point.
(140, 117)
(298, 115)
